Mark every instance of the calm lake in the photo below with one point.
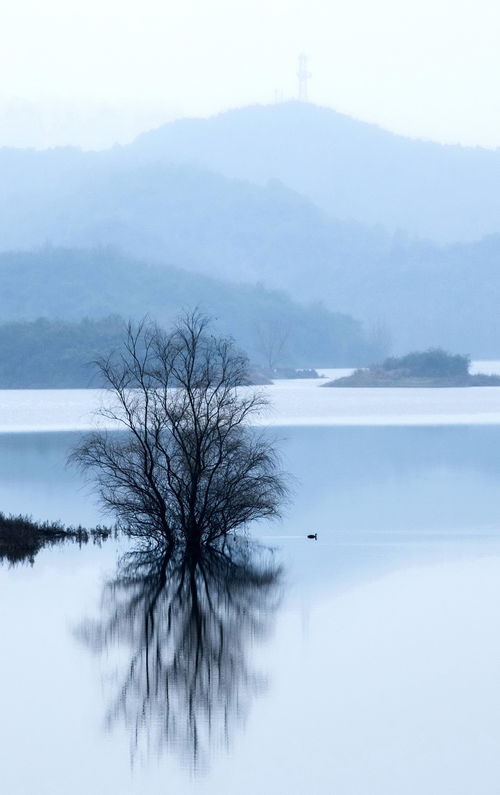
(366, 662)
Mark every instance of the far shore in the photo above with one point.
(373, 378)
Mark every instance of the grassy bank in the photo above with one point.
(21, 538)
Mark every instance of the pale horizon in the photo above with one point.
(92, 74)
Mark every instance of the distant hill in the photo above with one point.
(178, 215)
(72, 285)
(431, 296)
(354, 170)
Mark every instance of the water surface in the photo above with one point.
(374, 667)
(292, 402)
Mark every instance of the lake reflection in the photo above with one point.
(184, 625)
(383, 664)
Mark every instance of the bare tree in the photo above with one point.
(273, 336)
(187, 467)
(380, 338)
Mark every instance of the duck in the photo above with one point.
(313, 535)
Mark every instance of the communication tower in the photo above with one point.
(303, 74)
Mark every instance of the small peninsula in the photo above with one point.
(432, 368)
(21, 538)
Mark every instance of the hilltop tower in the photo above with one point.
(303, 74)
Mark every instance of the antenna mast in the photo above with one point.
(303, 74)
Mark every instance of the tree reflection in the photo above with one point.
(185, 621)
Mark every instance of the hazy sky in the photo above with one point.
(95, 71)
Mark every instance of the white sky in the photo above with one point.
(95, 71)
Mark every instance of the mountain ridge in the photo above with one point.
(353, 169)
(233, 229)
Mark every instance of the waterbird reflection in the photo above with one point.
(186, 621)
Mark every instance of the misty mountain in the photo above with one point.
(230, 230)
(431, 296)
(353, 170)
(71, 285)
(181, 215)
(187, 218)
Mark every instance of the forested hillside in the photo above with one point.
(70, 285)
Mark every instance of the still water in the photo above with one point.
(365, 662)
(292, 402)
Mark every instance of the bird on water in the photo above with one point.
(313, 535)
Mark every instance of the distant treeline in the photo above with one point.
(91, 292)
(55, 354)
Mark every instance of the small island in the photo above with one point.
(432, 368)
